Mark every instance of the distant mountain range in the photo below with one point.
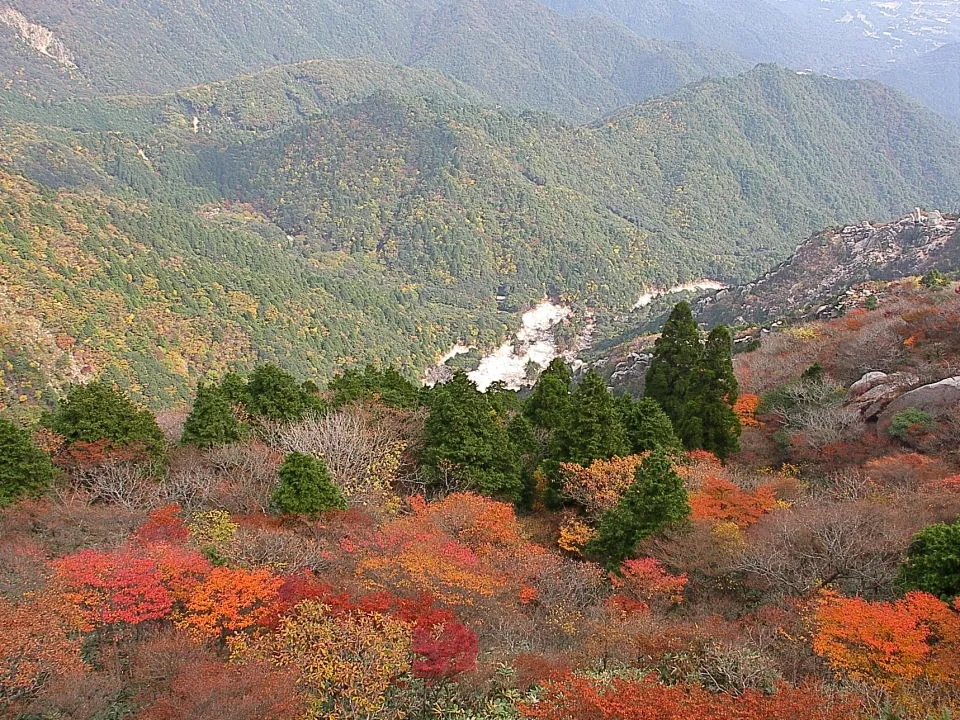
(854, 38)
(515, 52)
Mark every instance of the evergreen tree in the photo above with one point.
(25, 470)
(211, 420)
(718, 390)
(672, 375)
(98, 412)
(234, 389)
(274, 394)
(647, 425)
(465, 436)
(933, 561)
(548, 406)
(656, 499)
(387, 386)
(594, 428)
(306, 487)
(694, 384)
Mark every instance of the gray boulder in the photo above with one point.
(937, 398)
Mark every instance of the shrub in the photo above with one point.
(305, 487)
(910, 422)
(933, 561)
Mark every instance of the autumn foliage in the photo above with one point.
(579, 698)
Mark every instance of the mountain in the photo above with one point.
(832, 272)
(340, 212)
(844, 37)
(515, 52)
(932, 78)
(827, 265)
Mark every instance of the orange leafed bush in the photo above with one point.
(892, 645)
(719, 500)
(599, 487)
(230, 601)
(746, 409)
(579, 698)
(37, 640)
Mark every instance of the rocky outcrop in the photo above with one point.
(937, 398)
(876, 390)
(819, 278)
(38, 37)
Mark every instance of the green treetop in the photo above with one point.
(594, 429)
(211, 421)
(25, 470)
(656, 499)
(933, 561)
(306, 487)
(466, 437)
(98, 412)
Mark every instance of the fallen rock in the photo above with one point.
(936, 398)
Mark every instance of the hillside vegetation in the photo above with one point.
(324, 225)
(383, 551)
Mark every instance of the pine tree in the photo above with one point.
(306, 487)
(98, 412)
(718, 390)
(25, 470)
(548, 406)
(671, 378)
(656, 499)
(274, 394)
(211, 421)
(467, 438)
(594, 428)
(647, 425)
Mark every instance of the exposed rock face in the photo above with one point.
(815, 279)
(38, 37)
(936, 398)
(874, 391)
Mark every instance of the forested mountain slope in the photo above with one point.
(516, 52)
(325, 223)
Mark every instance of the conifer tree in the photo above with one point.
(306, 487)
(647, 425)
(24, 468)
(933, 561)
(211, 421)
(672, 375)
(96, 411)
(467, 438)
(594, 428)
(274, 394)
(695, 385)
(656, 499)
(548, 406)
(718, 390)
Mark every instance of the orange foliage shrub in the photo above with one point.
(719, 500)
(746, 409)
(229, 601)
(579, 698)
(909, 648)
(37, 640)
(644, 581)
(599, 487)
